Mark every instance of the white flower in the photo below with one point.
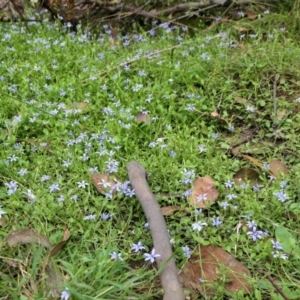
(198, 226)
(65, 294)
(82, 184)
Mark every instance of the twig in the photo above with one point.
(277, 288)
(161, 240)
(274, 102)
(135, 59)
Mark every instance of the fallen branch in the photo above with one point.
(161, 240)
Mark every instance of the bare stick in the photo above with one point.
(161, 240)
(277, 288)
(274, 103)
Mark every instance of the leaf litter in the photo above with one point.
(53, 280)
(211, 267)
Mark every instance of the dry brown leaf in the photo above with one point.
(103, 183)
(169, 210)
(2, 222)
(253, 160)
(216, 115)
(251, 15)
(53, 280)
(290, 215)
(281, 114)
(245, 175)
(236, 150)
(242, 101)
(38, 144)
(215, 264)
(240, 28)
(59, 245)
(277, 167)
(82, 106)
(204, 193)
(143, 118)
(27, 236)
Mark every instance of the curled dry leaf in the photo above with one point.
(253, 160)
(82, 106)
(251, 15)
(240, 28)
(59, 245)
(242, 101)
(142, 117)
(216, 115)
(277, 167)
(169, 210)
(2, 222)
(53, 280)
(27, 236)
(245, 175)
(214, 263)
(204, 193)
(103, 183)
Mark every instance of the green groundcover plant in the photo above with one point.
(69, 106)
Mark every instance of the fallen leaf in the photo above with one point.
(103, 183)
(281, 114)
(38, 144)
(215, 267)
(242, 101)
(240, 28)
(169, 210)
(204, 193)
(2, 222)
(245, 175)
(27, 236)
(277, 167)
(253, 160)
(251, 15)
(82, 106)
(290, 215)
(53, 280)
(216, 115)
(236, 150)
(142, 117)
(59, 245)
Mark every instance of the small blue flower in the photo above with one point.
(137, 247)
(255, 234)
(186, 251)
(151, 256)
(216, 222)
(256, 188)
(281, 196)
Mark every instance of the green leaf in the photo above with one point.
(286, 239)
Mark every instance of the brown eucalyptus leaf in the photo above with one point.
(26, 236)
(143, 118)
(204, 193)
(277, 167)
(169, 210)
(240, 28)
(203, 272)
(82, 106)
(242, 101)
(216, 115)
(103, 183)
(253, 160)
(245, 175)
(59, 245)
(251, 15)
(2, 222)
